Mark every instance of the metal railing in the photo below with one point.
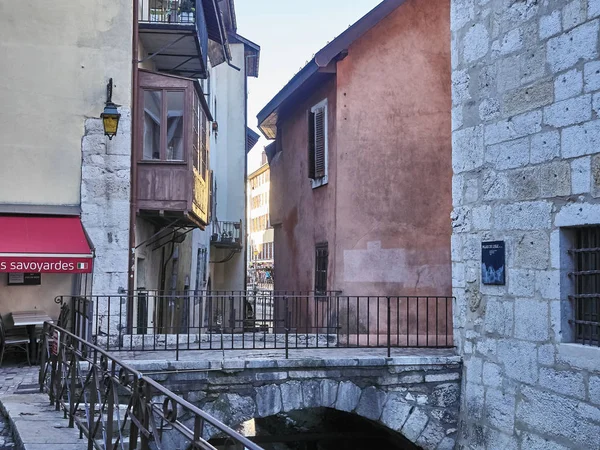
(168, 11)
(259, 320)
(227, 233)
(116, 407)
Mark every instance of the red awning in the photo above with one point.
(31, 244)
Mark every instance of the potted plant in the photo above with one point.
(187, 11)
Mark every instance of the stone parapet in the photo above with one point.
(416, 396)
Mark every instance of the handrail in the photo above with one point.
(60, 375)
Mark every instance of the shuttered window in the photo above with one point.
(321, 264)
(317, 144)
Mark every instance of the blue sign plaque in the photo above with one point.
(493, 263)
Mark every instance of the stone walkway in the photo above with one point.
(423, 354)
(28, 422)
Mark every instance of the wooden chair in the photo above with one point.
(13, 339)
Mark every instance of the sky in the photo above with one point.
(289, 33)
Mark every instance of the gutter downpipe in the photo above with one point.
(133, 177)
(245, 230)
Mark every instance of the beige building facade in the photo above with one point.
(57, 61)
(261, 246)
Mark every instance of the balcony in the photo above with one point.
(175, 34)
(227, 235)
(171, 144)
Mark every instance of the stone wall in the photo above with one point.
(105, 197)
(416, 396)
(526, 160)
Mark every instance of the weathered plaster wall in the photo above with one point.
(302, 216)
(525, 158)
(56, 60)
(393, 189)
(228, 161)
(385, 210)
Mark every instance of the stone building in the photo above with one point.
(120, 210)
(362, 136)
(526, 160)
(57, 168)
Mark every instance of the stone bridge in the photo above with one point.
(416, 395)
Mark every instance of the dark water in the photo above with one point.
(326, 429)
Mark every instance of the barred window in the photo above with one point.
(586, 285)
(321, 265)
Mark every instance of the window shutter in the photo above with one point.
(320, 143)
(311, 145)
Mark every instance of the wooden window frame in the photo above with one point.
(317, 181)
(163, 127)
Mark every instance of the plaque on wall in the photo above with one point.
(493, 262)
(24, 279)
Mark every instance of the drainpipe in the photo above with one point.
(244, 230)
(133, 170)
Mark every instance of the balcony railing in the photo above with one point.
(258, 320)
(186, 25)
(227, 234)
(167, 11)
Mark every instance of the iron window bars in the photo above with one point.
(586, 281)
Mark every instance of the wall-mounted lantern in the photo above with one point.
(110, 116)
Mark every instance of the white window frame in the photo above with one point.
(317, 182)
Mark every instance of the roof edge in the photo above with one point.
(297, 80)
(356, 31)
(325, 56)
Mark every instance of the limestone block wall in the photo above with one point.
(526, 161)
(105, 197)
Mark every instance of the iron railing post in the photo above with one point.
(286, 324)
(111, 408)
(135, 407)
(43, 358)
(176, 343)
(389, 328)
(92, 406)
(146, 410)
(73, 381)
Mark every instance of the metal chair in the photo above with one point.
(13, 339)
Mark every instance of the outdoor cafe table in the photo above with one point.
(30, 319)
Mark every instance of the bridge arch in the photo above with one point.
(419, 420)
(414, 395)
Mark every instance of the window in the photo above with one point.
(152, 124)
(199, 145)
(163, 125)
(175, 100)
(321, 263)
(317, 144)
(585, 277)
(201, 268)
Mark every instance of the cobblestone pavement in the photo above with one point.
(15, 378)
